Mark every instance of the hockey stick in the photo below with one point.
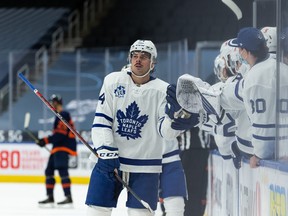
(234, 8)
(42, 98)
(26, 128)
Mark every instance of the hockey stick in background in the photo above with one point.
(234, 8)
(39, 95)
(26, 128)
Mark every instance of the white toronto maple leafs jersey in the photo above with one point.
(261, 103)
(130, 118)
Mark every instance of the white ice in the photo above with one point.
(21, 199)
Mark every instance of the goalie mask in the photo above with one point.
(231, 57)
(270, 35)
(149, 48)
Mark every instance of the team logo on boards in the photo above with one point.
(119, 91)
(130, 123)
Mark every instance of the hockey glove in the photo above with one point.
(107, 168)
(236, 157)
(41, 142)
(185, 123)
(172, 105)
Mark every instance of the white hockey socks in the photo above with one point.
(98, 211)
(174, 206)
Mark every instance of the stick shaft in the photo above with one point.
(55, 112)
(34, 138)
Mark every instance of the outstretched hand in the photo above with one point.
(182, 120)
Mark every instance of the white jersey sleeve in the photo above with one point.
(231, 97)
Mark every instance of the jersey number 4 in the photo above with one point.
(102, 98)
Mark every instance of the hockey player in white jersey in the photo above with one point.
(232, 119)
(259, 91)
(128, 130)
(227, 65)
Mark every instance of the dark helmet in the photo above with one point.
(56, 98)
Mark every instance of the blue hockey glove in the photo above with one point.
(40, 142)
(172, 105)
(185, 123)
(106, 168)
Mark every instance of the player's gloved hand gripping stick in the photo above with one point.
(21, 76)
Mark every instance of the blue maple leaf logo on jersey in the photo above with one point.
(120, 91)
(130, 124)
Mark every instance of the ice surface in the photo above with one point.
(22, 199)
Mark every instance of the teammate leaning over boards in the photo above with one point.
(64, 144)
(127, 133)
(227, 66)
(259, 93)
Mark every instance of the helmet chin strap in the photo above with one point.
(141, 76)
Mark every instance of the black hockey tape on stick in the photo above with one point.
(43, 99)
(26, 128)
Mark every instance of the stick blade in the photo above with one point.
(236, 10)
(26, 120)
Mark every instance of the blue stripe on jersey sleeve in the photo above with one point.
(263, 125)
(104, 116)
(244, 142)
(263, 138)
(237, 91)
(169, 154)
(139, 162)
(270, 125)
(269, 138)
(101, 126)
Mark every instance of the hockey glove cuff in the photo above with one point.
(185, 123)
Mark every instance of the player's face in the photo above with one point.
(140, 62)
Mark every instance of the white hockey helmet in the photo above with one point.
(231, 57)
(270, 34)
(144, 46)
